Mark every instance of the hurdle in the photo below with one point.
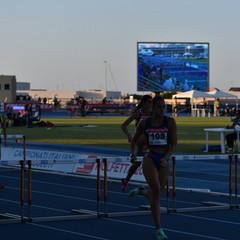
(105, 213)
(77, 214)
(144, 209)
(209, 204)
(8, 217)
(74, 214)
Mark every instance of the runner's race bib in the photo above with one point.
(157, 137)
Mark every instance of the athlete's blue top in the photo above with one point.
(157, 136)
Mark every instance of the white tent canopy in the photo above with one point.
(192, 94)
(221, 94)
(209, 95)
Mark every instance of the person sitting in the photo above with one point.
(9, 116)
(231, 137)
(16, 116)
(34, 117)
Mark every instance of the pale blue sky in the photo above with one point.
(62, 44)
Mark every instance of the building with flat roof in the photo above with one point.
(98, 95)
(36, 94)
(7, 88)
(23, 86)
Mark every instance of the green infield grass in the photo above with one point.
(105, 131)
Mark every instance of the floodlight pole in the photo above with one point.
(105, 62)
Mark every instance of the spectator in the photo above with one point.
(104, 101)
(55, 100)
(9, 116)
(45, 100)
(34, 117)
(175, 107)
(231, 137)
(82, 107)
(217, 106)
(205, 110)
(19, 116)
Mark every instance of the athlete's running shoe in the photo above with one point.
(1, 186)
(136, 191)
(160, 234)
(124, 185)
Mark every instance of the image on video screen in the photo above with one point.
(172, 67)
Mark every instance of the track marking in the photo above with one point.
(169, 229)
(67, 231)
(208, 219)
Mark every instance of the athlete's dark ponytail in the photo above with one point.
(144, 99)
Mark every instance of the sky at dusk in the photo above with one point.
(67, 44)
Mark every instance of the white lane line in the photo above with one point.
(168, 229)
(209, 219)
(67, 231)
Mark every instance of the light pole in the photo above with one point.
(105, 62)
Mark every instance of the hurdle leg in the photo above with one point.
(105, 186)
(168, 193)
(236, 181)
(98, 187)
(30, 189)
(230, 181)
(174, 183)
(22, 190)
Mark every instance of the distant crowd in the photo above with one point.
(23, 116)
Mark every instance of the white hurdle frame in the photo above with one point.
(208, 205)
(10, 218)
(76, 214)
(85, 214)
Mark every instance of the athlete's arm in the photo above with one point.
(126, 123)
(138, 132)
(172, 138)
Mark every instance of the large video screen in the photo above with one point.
(172, 66)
